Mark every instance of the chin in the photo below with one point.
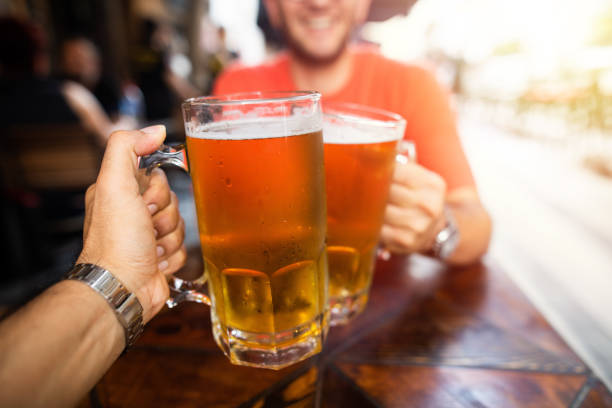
(317, 57)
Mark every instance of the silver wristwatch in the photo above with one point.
(447, 239)
(124, 303)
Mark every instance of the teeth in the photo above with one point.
(319, 23)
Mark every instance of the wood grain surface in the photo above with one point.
(430, 337)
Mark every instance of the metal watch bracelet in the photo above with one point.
(447, 239)
(125, 304)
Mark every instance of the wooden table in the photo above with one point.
(430, 337)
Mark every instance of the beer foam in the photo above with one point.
(259, 128)
(363, 131)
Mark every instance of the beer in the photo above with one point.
(256, 165)
(359, 163)
(358, 177)
(260, 199)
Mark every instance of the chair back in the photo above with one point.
(49, 158)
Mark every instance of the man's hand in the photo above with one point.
(415, 211)
(132, 224)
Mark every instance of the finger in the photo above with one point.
(173, 263)
(122, 151)
(428, 200)
(398, 240)
(157, 195)
(414, 175)
(413, 218)
(402, 196)
(407, 174)
(172, 242)
(166, 220)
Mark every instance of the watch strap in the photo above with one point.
(124, 303)
(447, 239)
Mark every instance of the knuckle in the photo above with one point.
(439, 208)
(174, 218)
(165, 294)
(181, 256)
(116, 137)
(405, 239)
(90, 193)
(175, 241)
(435, 207)
(420, 226)
(164, 195)
(439, 183)
(167, 224)
(181, 232)
(159, 180)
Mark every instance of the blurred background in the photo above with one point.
(530, 81)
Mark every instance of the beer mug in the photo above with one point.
(360, 153)
(256, 165)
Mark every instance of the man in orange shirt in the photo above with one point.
(433, 204)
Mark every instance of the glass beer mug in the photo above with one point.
(256, 164)
(360, 153)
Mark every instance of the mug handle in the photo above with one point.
(406, 153)
(180, 290)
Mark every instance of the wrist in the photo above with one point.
(79, 298)
(123, 274)
(446, 240)
(124, 303)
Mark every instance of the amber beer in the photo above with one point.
(262, 228)
(360, 150)
(256, 164)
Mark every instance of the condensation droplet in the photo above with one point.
(228, 182)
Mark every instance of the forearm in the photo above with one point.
(474, 226)
(61, 343)
(88, 110)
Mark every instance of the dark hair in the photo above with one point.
(22, 42)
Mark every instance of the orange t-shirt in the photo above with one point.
(382, 83)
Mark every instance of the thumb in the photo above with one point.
(123, 149)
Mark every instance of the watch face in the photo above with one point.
(449, 245)
(447, 239)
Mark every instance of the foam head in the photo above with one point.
(255, 128)
(350, 129)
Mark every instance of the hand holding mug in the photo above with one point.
(415, 211)
(132, 225)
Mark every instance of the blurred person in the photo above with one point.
(29, 96)
(433, 205)
(221, 58)
(55, 348)
(44, 222)
(80, 62)
(162, 88)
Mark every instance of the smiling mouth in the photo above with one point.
(319, 23)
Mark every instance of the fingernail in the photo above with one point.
(152, 208)
(155, 232)
(162, 265)
(160, 250)
(153, 129)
